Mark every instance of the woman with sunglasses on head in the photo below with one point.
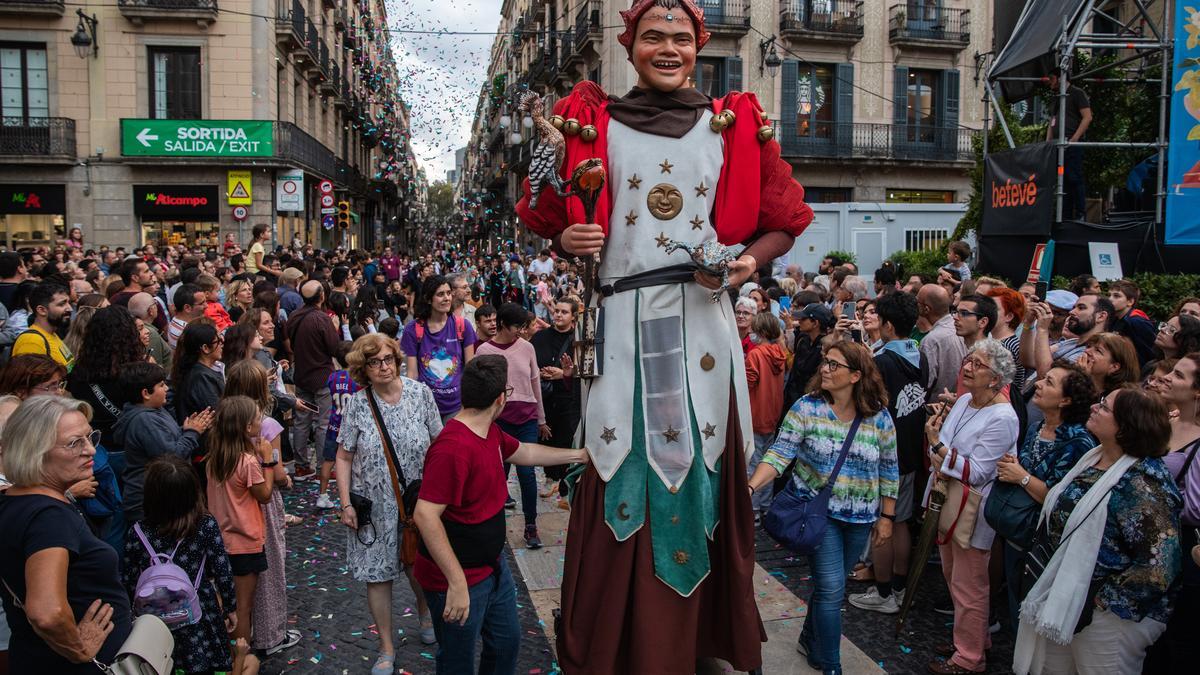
(73, 608)
(1108, 548)
(409, 413)
(966, 442)
(847, 395)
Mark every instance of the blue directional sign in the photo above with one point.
(327, 222)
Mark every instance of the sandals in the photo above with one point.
(862, 573)
(289, 519)
(384, 665)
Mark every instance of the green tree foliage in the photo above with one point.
(440, 203)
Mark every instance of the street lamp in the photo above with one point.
(84, 39)
(769, 58)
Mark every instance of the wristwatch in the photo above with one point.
(889, 516)
(1025, 480)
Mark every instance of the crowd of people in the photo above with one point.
(158, 402)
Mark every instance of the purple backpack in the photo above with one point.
(164, 589)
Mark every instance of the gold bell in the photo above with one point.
(557, 121)
(571, 127)
(718, 123)
(729, 116)
(588, 133)
(765, 133)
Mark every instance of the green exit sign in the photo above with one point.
(197, 138)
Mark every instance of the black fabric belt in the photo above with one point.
(663, 276)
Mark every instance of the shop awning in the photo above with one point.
(1030, 51)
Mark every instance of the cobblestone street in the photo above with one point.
(329, 608)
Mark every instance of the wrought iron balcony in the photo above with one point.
(824, 20)
(331, 85)
(27, 7)
(292, 144)
(139, 11)
(567, 56)
(862, 140)
(926, 24)
(289, 24)
(726, 17)
(33, 138)
(587, 24)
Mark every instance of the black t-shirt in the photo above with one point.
(103, 417)
(559, 397)
(1077, 100)
(8, 296)
(33, 523)
(906, 405)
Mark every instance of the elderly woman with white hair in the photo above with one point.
(743, 313)
(966, 442)
(143, 306)
(44, 541)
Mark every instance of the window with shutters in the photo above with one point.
(175, 83)
(815, 101)
(922, 97)
(709, 76)
(24, 84)
(925, 239)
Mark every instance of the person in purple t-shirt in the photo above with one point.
(341, 388)
(437, 345)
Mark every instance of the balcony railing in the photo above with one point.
(293, 145)
(45, 7)
(927, 24)
(829, 20)
(323, 56)
(726, 16)
(30, 137)
(289, 25)
(862, 140)
(566, 55)
(587, 23)
(138, 11)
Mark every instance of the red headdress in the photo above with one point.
(640, 7)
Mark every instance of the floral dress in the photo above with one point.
(412, 424)
(270, 596)
(204, 646)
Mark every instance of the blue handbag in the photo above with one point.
(797, 521)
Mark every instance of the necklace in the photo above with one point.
(964, 419)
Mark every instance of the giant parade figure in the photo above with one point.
(660, 546)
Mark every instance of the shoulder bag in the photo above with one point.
(797, 521)
(958, 526)
(406, 492)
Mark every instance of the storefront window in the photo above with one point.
(31, 230)
(920, 197)
(174, 232)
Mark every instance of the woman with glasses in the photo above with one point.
(847, 391)
(1177, 336)
(524, 416)
(1112, 523)
(59, 627)
(965, 443)
(410, 414)
(197, 381)
(743, 314)
(32, 375)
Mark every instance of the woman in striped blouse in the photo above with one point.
(863, 500)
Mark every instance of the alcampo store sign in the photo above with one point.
(197, 138)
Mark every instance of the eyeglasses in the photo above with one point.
(76, 446)
(832, 366)
(1102, 405)
(1167, 328)
(975, 363)
(508, 392)
(52, 387)
(743, 313)
(389, 360)
(964, 313)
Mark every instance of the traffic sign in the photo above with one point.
(326, 187)
(328, 209)
(240, 213)
(197, 138)
(239, 188)
(327, 201)
(327, 222)
(289, 190)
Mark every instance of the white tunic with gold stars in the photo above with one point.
(690, 353)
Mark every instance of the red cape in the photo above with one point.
(755, 195)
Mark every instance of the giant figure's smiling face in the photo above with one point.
(664, 50)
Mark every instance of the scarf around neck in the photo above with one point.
(660, 113)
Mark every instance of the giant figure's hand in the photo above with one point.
(582, 239)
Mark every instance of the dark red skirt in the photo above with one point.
(617, 617)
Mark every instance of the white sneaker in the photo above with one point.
(871, 600)
(324, 502)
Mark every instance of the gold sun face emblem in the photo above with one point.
(665, 201)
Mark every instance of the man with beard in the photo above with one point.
(1091, 314)
(560, 390)
(50, 304)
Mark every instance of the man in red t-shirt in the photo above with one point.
(460, 514)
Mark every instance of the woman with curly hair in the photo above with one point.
(112, 338)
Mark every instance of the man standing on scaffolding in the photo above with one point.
(1079, 118)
